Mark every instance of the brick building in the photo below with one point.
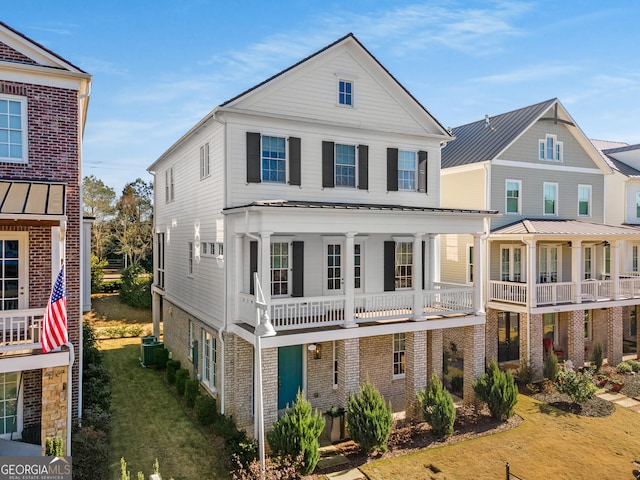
(43, 102)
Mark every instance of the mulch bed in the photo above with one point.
(596, 407)
(471, 422)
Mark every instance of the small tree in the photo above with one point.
(54, 447)
(577, 386)
(369, 419)
(97, 272)
(597, 356)
(297, 432)
(437, 407)
(551, 368)
(498, 389)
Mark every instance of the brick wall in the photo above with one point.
(454, 338)
(614, 331)
(32, 403)
(376, 364)
(536, 360)
(54, 403)
(176, 333)
(320, 389)
(575, 329)
(491, 335)
(416, 373)
(473, 358)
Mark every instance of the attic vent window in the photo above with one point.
(345, 93)
(550, 149)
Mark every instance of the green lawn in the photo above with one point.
(149, 422)
(548, 444)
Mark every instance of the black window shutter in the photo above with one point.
(253, 158)
(422, 172)
(389, 266)
(253, 264)
(363, 167)
(423, 264)
(297, 289)
(294, 161)
(392, 169)
(328, 152)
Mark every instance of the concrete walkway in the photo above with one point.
(619, 399)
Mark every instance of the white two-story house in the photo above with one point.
(557, 274)
(314, 197)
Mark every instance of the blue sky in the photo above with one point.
(159, 66)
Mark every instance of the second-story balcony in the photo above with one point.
(314, 312)
(20, 329)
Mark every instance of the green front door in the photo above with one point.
(289, 374)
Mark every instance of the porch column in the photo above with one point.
(270, 386)
(417, 276)
(473, 359)
(615, 268)
(576, 337)
(348, 369)
(54, 403)
(415, 372)
(265, 267)
(576, 270)
(536, 347)
(155, 312)
(614, 335)
(238, 268)
(532, 274)
(349, 281)
(434, 351)
(491, 335)
(434, 261)
(478, 280)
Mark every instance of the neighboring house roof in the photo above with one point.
(608, 151)
(562, 227)
(354, 206)
(487, 139)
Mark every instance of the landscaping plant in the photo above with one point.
(457, 383)
(206, 410)
(597, 356)
(161, 357)
(182, 375)
(297, 432)
(524, 376)
(172, 367)
(54, 447)
(191, 392)
(135, 289)
(369, 419)
(624, 367)
(551, 368)
(498, 389)
(578, 386)
(437, 407)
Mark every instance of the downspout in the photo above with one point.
(70, 395)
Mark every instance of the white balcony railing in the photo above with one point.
(20, 329)
(308, 312)
(510, 292)
(554, 293)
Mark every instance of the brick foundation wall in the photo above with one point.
(600, 330)
(54, 403)
(575, 329)
(176, 333)
(614, 334)
(348, 368)
(474, 349)
(454, 336)
(491, 335)
(536, 359)
(434, 353)
(416, 373)
(32, 403)
(376, 364)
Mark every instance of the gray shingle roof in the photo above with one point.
(563, 227)
(477, 142)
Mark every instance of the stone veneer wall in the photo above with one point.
(54, 403)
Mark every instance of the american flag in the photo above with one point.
(54, 322)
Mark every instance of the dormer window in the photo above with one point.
(550, 149)
(345, 93)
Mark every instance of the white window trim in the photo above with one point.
(393, 340)
(637, 205)
(556, 145)
(415, 172)
(335, 165)
(590, 202)
(286, 158)
(192, 332)
(506, 198)
(205, 161)
(288, 241)
(550, 246)
(468, 263)
(589, 322)
(334, 366)
(24, 125)
(350, 79)
(592, 249)
(556, 203)
(19, 412)
(523, 262)
(634, 251)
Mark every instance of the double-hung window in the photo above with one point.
(13, 129)
(345, 93)
(345, 165)
(513, 188)
(588, 263)
(205, 164)
(584, 200)
(160, 252)
(550, 198)
(404, 265)
(550, 148)
(280, 268)
(398, 355)
(8, 402)
(407, 166)
(274, 158)
(209, 359)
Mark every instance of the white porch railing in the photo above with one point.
(593, 290)
(20, 329)
(554, 293)
(309, 312)
(630, 287)
(508, 292)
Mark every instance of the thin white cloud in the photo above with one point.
(530, 73)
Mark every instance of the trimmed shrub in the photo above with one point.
(457, 383)
(172, 367)
(297, 432)
(597, 356)
(206, 410)
(624, 367)
(90, 454)
(182, 376)
(97, 418)
(161, 357)
(369, 419)
(524, 376)
(578, 386)
(110, 286)
(97, 273)
(54, 447)
(437, 407)
(135, 290)
(191, 392)
(240, 447)
(498, 389)
(551, 368)
(635, 365)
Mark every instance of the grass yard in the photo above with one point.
(108, 311)
(148, 422)
(548, 444)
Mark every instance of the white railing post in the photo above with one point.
(576, 269)
(349, 282)
(417, 276)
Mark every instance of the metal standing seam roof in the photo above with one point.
(563, 227)
(24, 198)
(478, 141)
(356, 206)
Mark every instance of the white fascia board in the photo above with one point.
(21, 363)
(37, 75)
(470, 167)
(553, 166)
